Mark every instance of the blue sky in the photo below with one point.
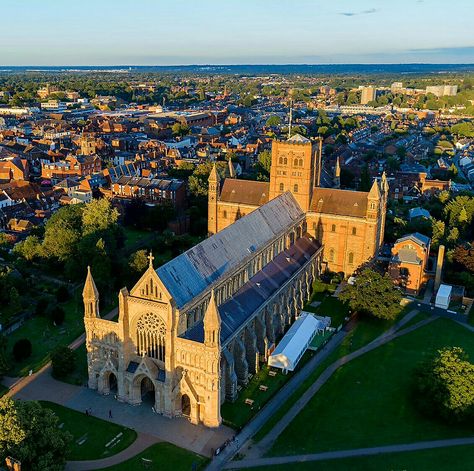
(167, 32)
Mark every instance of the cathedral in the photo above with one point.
(348, 224)
(191, 333)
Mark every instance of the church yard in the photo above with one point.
(93, 438)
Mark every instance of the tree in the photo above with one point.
(63, 232)
(58, 315)
(365, 181)
(273, 120)
(443, 196)
(445, 385)
(265, 160)
(198, 181)
(29, 249)
(438, 228)
(99, 215)
(63, 361)
(464, 255)
(453, 235)
(30, 433)
(62, 294)
(138, 261)
(373, 294)
(180, 130)
(22, 349)
(4, 366)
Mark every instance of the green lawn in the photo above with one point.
(135, 237)
(45, 337)
(458, 458)
(164, 457)
(96, 434)
(368, 401)
(238, 413)
(366, 330)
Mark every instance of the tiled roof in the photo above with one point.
(250, 297)
(192, 272)
(245, 192)
(339, 202)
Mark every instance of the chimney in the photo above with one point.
(439, 267)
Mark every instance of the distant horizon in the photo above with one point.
(247, 64)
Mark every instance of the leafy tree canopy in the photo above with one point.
(373, 294)
(30, 434)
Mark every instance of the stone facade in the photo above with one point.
(191, 332)
(348, 224)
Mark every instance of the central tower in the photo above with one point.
(295, 167)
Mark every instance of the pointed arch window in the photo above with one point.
(351, 258)
(331, 255)
(295, 163)
(333, 228)
(282, 187)
(295, 188)
(151, 336)
(301, 162)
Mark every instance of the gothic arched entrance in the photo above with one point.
(147, 391)
(112, 383)
(185, 405)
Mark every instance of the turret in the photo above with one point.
(337, 174)
(90, 296)
(213, 196)
(373, 201)
(212, 323)
(231, 169)
(384, 184)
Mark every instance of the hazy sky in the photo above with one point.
(165, 32)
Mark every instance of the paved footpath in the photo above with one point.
(243, 439)
(329, 455)
(265, 444)
(142, 442)
(275, 403)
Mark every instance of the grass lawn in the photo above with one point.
(135, 237)
(96, 433)
(45, 337)
(457, 458)
(164, 457)
(366, 330)
(367, 402)
(238, 413)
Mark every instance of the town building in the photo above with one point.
(190, 333)
(368, 94)
(408, 265)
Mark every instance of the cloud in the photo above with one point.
(356, 13)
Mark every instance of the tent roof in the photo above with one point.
(294, 343)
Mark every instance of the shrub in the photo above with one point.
(57, 315)
(63, 360)
(41, 307)
(62, 294)
(22, 350)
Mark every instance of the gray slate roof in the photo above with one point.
(249, 298)
(192, 272)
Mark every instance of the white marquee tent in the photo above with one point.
(443, 297)
(295, 342)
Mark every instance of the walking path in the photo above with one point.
(275, 403)
(329, 455)
(142, 442)
(265, 444)
(243, 442)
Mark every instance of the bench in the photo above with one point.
(249, 402)
(272, 373)
(262, 387)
